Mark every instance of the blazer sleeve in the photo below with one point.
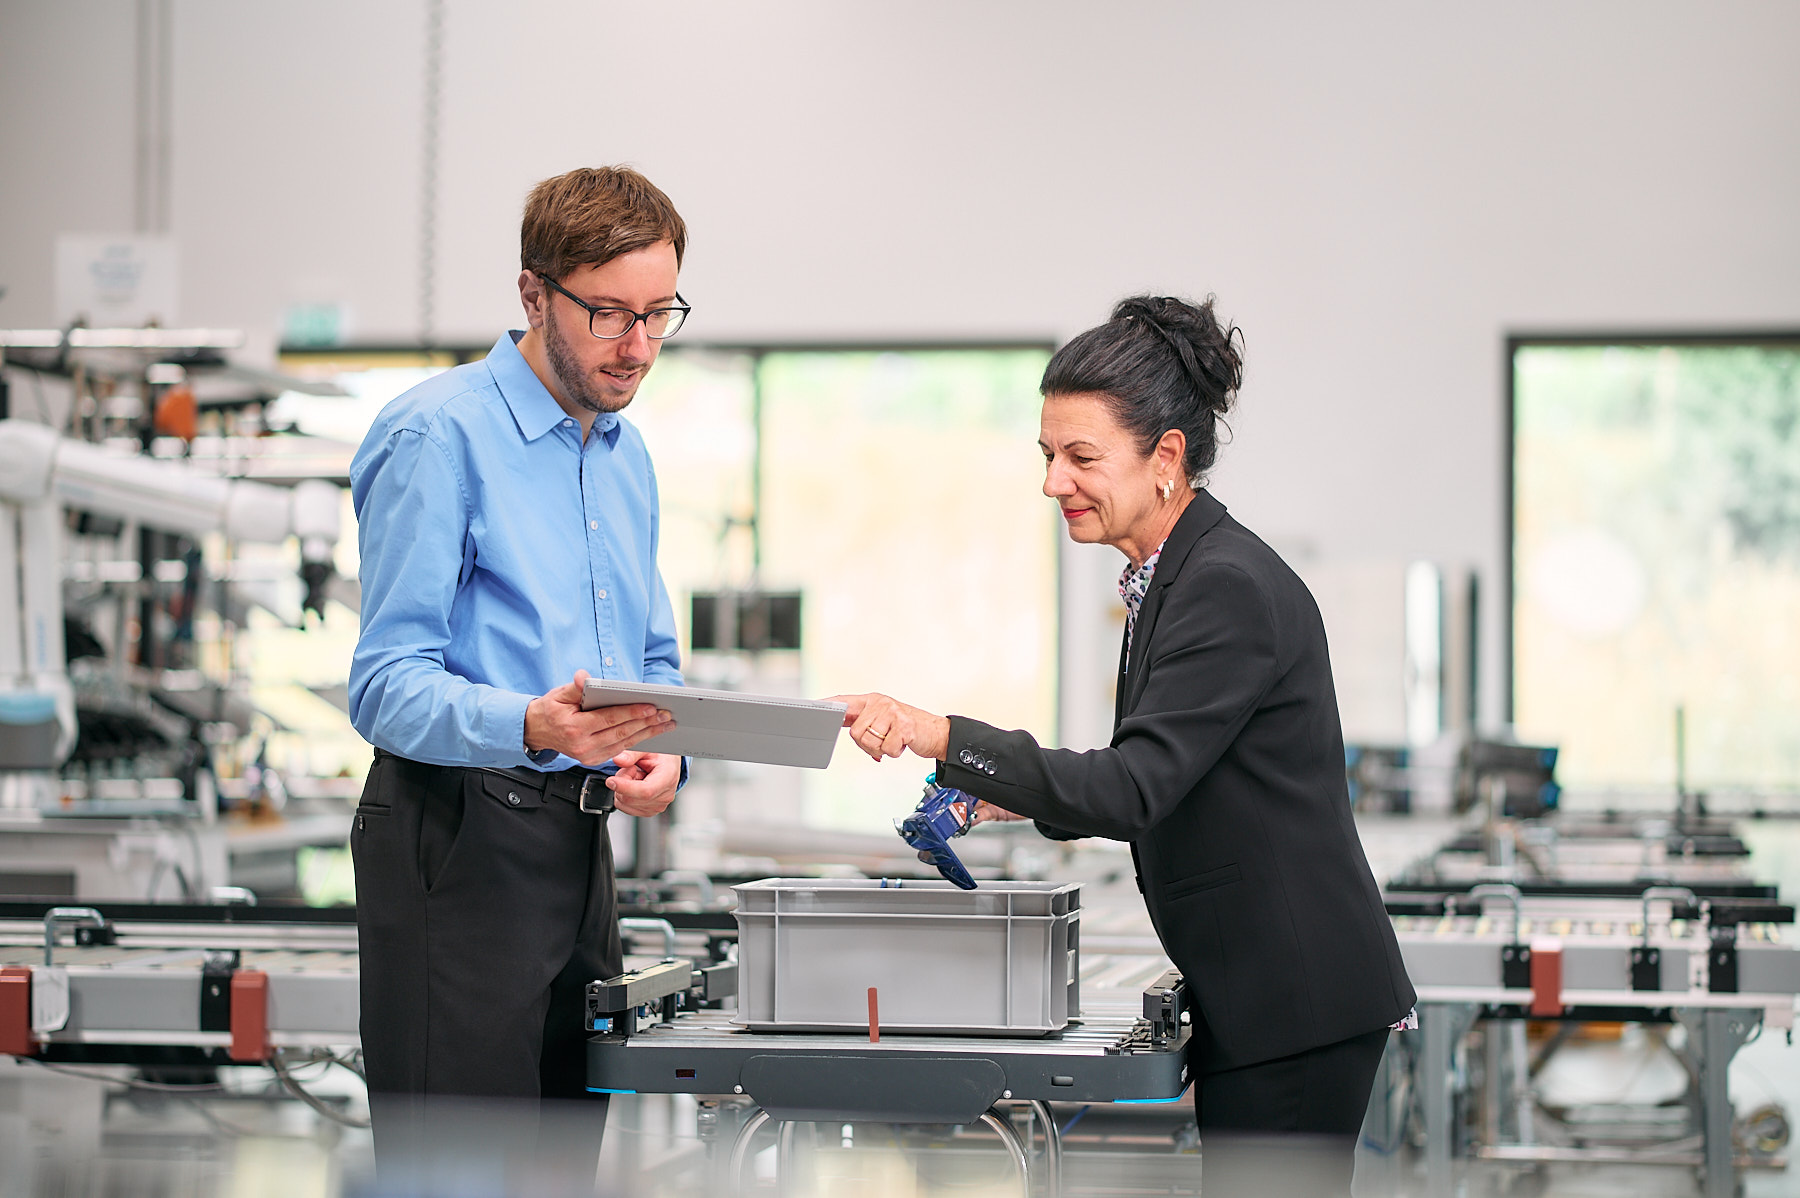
(1213, 659)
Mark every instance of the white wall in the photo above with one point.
(1376, 192)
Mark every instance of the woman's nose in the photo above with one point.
(1056, 481)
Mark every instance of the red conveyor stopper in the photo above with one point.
(15, 1012)
(1546, 978)
(249, 1015)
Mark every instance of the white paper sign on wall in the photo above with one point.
(115, 281)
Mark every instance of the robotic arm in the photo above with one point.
(43, 472)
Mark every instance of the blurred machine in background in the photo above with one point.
(126, 716)
(1533, 939)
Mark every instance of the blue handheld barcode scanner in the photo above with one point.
(943, 813)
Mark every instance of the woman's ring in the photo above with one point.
(882, 735)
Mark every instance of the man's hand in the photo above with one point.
(645, 783)
(556, 721)
(987, 813)
(883, 727)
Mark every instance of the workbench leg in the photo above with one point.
(1378, 1147)
(1524, 1096)
(740, 1150)
(1493, 1087)
(1009, 1136)
(1052, 1149)
(1721, 1032)
(1442, 1025)
(716, 1122)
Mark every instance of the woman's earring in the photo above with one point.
(1168, 489)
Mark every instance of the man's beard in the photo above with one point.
(574, 379)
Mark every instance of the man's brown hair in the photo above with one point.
(592, 215)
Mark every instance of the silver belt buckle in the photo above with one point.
(588, 782)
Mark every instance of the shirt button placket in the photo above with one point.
(596, 568)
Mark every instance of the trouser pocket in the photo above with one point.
(440, 826)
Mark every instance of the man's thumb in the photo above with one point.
(570, 692)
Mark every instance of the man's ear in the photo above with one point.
(534, 296)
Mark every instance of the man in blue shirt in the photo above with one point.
(508, 522)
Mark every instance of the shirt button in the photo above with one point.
(609, 661)
(568, 423)
(601, 592)
(593, 524)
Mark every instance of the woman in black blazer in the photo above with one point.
(1226, 768)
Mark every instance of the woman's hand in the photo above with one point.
(883, 727)
(987, 813)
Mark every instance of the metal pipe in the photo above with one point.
(698, 878)
(740, 1149)
(74, 915)
(1052, 1148)
(1662, 892)
(1009, 1136)
(661, 927)
(1503, 890)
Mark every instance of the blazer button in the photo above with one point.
(966, 757)
(512, 796)
(990, 768)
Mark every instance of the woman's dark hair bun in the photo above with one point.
(1162, 363)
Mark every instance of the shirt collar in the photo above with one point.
(534, 409)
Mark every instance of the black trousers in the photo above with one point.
(483, 909)
(1287, 1126)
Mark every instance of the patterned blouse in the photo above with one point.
(1134, 584)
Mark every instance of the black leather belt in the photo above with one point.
(585, 788)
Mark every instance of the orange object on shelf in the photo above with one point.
(177, 413)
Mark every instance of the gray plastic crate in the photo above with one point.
(1001, 959)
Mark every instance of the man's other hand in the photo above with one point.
(556, 721)
(645, 783)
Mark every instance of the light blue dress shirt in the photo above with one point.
(499, 555)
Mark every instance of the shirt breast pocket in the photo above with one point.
(1212, 879)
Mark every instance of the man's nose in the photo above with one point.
(635, 344)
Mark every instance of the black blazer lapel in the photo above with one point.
(1119, 683)
(1201, 514)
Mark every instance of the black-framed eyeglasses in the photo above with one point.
(609, 324)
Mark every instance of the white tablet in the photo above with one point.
(729, 725)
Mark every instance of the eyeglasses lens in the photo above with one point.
(616, 322)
